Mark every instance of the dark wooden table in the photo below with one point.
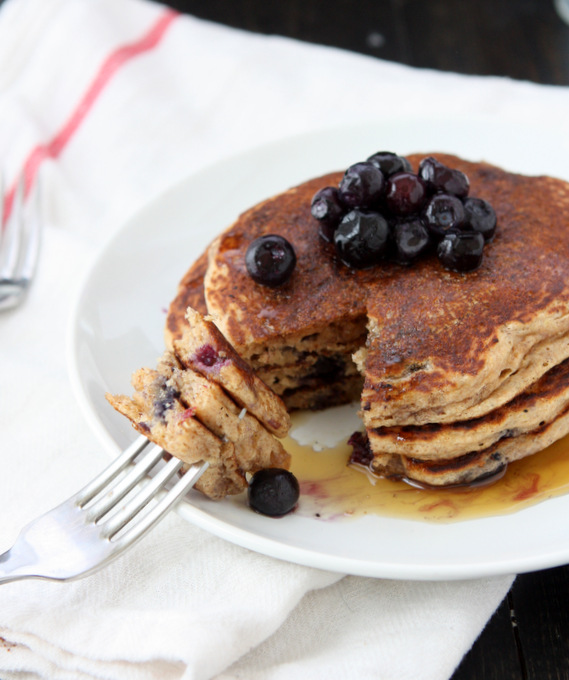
(528, 637)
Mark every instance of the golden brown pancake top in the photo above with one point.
(424, 313)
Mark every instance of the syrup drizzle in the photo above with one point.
(329, 489)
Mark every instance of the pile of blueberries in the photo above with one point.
(382, 210)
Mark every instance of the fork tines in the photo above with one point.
(101, 498)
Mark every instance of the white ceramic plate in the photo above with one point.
(117, 327)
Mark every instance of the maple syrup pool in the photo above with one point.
(329, 489)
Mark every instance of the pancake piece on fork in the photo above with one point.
(202, 402)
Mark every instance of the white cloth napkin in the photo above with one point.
(113, 101)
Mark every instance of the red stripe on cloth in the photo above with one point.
(108, 68)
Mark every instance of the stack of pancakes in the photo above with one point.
(203, 403)
(457, 374)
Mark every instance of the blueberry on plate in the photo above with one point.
(462, 251)
(362, 238)
(273, 492)
(270, 260)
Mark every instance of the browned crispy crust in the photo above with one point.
(532, 212)
(323, 291)
(541, 403)
(473, 466)
(441, 347)
(190, 294)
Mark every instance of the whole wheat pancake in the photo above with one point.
(220, 413)
(203, 349)
(541, 403)
(156, 411)
(432, 347)
(474, 466)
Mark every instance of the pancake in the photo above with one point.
(475, 466)
(156, 411)
(434, 350)
(222, 414)
(423, 351)
(203, 349)
(254, 446)
(541, 403)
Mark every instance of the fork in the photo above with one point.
(19, 245)
(99, 522)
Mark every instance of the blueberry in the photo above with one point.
(270, 260)
(389, 163)
(328, 369)
(362, 185)
(328, 209)
(461, 251)
(273, 492)
(164, 400)
(362, 238)
(439, 177)
(480, 217)
(443, 214)
(207, 355)
(361, 450)
(406, 193)
(411, 240)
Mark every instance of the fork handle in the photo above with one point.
(14, 566)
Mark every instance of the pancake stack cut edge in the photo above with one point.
(457, 374)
